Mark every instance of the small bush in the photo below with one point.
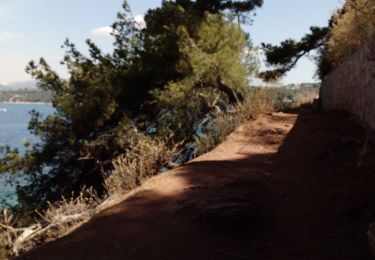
(143, 160)
(258, 101)
(219, 129)
(351, 28)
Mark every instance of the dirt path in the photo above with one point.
(283, 187)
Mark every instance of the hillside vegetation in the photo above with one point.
(25, 95)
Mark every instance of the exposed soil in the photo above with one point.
(286, 186)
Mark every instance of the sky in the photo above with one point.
(30, 29)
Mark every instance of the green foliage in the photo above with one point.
(216, 6)
(285, 56)
(78, 142)
(211, 62)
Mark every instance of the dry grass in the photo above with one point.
(300, 99)
(142, 161)
(351, 30)
(58, 220)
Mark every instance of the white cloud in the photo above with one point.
(140, 21)
(107, 31)
(102, 32)
(5, 36)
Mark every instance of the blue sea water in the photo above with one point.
(14, 119)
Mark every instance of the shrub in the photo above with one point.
(143, 160)
(351, 28)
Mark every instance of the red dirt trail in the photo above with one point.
(283, 187)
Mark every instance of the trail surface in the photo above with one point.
(283, 187)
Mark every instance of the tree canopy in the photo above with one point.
(285, 56)
(217, 6)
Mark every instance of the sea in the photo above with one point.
(14, 119)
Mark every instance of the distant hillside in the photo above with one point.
(18, 85)
(304, 86)
(25, 95)
(296, 86)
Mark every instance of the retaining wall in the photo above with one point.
(351, 86)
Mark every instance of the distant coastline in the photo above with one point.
(26, 96)
(26, 103)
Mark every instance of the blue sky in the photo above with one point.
(30, 29)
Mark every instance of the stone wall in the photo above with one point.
(351, 86)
